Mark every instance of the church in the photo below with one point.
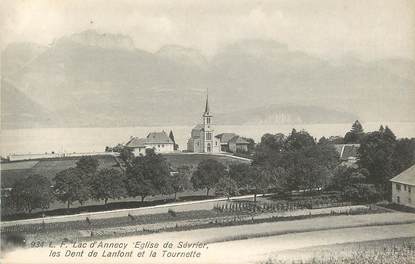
(202, 139)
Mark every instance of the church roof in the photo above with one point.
(198, 127)
(207, 110)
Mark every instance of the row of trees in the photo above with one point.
(144, 176)
(281, 163)
(381, 156)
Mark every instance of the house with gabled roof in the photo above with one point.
(159, 141)
(348, 153)
(231, 142)
(403, 187)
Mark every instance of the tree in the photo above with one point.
(336, 140)
(341, 178)
(376, 153)
(180, 180)
(260, 180)
(403, 155)
(31, 193)
(298, 140)
(171, 136)
(70, 186)
(88, 165)
(127, 156)
(207, 174)
(358, 190)
(279, 179)
(242, 174)
(296, 162)
(148, 175)
(107, 184)
(227, 186)
(269, 149)
(309, 168)
(355, 134)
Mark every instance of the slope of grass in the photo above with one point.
(46, 167)
(193, 159)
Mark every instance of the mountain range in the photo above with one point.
(102, 80)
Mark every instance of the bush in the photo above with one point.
(172, 212)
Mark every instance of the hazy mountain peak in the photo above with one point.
(93, 79)
(102, 40)
(182, 54)
(256, 47)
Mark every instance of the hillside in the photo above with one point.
(96, 79)
(192, 159)
(10, 172)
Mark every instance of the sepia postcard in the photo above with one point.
(207, 131)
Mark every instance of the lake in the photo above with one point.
(41, 140)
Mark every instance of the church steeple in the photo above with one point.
(207, 110)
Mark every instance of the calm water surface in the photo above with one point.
(40, 140)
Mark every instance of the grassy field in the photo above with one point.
(399, 250)
(12, 171)
(192, 159)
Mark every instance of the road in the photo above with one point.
(282, 236)
(157, 209)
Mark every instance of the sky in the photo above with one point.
(370, 29)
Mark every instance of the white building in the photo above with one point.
(202, 138)
(403, 187)
(159, 141)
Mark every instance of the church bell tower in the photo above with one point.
(207, 128)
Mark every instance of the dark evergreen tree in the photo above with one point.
(355, 134)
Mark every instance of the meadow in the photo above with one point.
(10, 172)
(390, 251)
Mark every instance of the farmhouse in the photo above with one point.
(231, 142)
(202, 139)
(403, 187)
(159, 141)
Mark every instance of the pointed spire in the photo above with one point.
(207, 102)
